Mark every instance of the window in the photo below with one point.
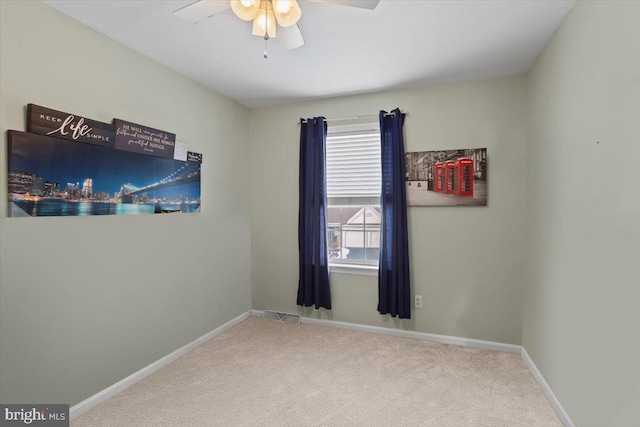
(353, 194)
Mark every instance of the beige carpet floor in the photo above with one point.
(267, 373)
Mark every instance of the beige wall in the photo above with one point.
(86, 301)
(582, 298)
(466, 262)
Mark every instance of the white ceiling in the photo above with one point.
(347, 50)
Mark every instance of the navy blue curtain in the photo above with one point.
(313, 284)
(393, 272)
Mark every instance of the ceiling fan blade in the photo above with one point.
(201, 10)
(289, 37)
(363, 4)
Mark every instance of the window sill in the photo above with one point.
(367, 270)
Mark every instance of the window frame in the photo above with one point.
(351, 266)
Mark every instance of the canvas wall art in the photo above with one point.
(57, 177)
(447, 177)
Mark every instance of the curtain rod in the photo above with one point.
(342, 119)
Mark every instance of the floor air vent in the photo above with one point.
(282, 317)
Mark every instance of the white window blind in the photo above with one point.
(353, 165)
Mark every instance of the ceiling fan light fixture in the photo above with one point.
(264, 23)
(246, 10)
(287, 12)
(283, 6)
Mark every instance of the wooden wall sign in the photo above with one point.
(194, 157)
(45, 121)
(142, 139)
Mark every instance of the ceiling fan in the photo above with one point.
(267, 16)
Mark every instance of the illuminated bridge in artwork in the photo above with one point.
(188, 173)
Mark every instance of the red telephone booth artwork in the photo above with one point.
(455, 177)
(449, 172)
(463, 177)
(439, 178)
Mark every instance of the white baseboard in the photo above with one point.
(127, 382)
(551, 397)
(443, 339)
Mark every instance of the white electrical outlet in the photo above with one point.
(418, 301)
